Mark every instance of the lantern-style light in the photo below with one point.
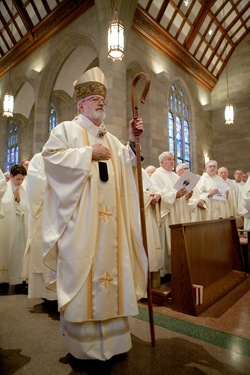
(116, 38)
(8, 103)
(8, 100)
(229, 114)
(229, 109)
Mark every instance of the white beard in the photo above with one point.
(99, 115)
(95, 115)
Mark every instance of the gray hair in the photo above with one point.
(163, 155)
(211, 161)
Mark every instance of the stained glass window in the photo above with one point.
(171, 132)
(12, 147)
(179, 125)
(53, 120)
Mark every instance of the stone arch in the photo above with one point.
(65, 48)
(62, 103)
(49, 77)
(24, 100)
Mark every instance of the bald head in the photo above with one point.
(223, 173)
(150, 170)
(181, 168)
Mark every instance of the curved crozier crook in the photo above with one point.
(144, 93)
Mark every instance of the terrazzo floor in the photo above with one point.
(216, 342)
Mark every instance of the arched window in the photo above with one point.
(179, 125)
(53, 120)
(12, 147)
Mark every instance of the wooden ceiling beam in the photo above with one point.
(150, 31)
(58, 19)
(25, 18)
(200, 19)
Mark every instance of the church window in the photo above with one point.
(12, 146)
(179, 125)
(53, 119)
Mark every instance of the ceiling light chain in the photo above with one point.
(8, 101)
(229, 110)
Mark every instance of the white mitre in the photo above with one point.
(92, 82)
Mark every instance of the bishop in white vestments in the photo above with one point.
(91, 229)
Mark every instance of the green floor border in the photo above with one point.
(211, 336)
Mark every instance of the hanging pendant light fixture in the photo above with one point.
(8, 103)
(229, 109)
(115, 37)
(8, 100)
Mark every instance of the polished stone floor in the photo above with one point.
(216, 342)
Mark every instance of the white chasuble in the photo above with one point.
(91, 232)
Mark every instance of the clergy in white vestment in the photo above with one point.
(232, 197)
(3, 187)
(192, 202)
(153, 223)
(13, 229)
(91, 228)
(238, 185)
(212, 194)
(3, 254)
(34, 270)
(174, 204)
(246, 204)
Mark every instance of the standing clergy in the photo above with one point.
(211, 192)
(3, 187)
(152, 199)
(13, 230)
(232, 198)
(3, 255)
(246, 204)
(92, 235)
(174, 203)
(34, 270)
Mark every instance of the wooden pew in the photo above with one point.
(208, 254)
(245, 246)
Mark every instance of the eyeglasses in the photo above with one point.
(211, 166)
(184, 169)
(95, 99)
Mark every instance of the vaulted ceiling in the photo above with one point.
(26, 24)
(199, 35)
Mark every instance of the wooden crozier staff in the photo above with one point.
(141, 197)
